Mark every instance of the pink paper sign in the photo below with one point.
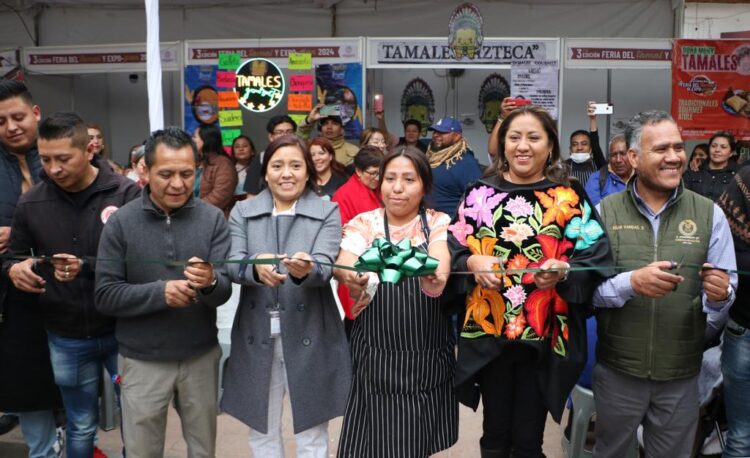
(226, 79)
(301, 83)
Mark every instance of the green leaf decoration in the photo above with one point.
(485, 231)
(552, 230)
(502, 252)
(497, 214)
(533, 252)
(534, 224)
(528, 334)
(538, 214)
(473, 335)
(560, 347)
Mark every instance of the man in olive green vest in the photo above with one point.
(652, 317)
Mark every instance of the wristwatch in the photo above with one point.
(212, 286)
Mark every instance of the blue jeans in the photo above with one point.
(40, 432)
(77, 365)
(735, 365)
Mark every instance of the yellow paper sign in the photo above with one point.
(300, 61)
(230, 118)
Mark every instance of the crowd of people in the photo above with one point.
(123, 270)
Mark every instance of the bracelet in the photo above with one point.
(428, 294)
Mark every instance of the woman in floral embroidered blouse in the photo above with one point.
(520, 230)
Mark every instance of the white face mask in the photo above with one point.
(579, 158)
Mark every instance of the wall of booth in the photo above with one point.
(107, 83)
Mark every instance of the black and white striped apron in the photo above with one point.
(402, 402)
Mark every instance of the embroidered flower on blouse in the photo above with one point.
(560, 203)
(518, 206)
(584, 230)
(484, 304)
(517, 233)
(516, 295)
(515, 327)
(460, 229)
(482, 202)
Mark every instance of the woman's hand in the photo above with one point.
(361, 303)
(299, 265)
(268, 274)
(482, 266)
(435, 283)
(555, 271)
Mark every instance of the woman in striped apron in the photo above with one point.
(401, 402)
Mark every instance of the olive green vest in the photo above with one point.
(658, 339)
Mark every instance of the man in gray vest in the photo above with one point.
(675, 248)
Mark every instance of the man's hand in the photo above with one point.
(314, 114)
(715, 283)
(590, 108)
(654, 281)
(299, 265)
(268, 273)
(4, 238)
(24, 278)
(178, 293)
(66, 266)
(199, 273)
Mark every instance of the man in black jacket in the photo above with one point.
(58, 222)
(27, 386)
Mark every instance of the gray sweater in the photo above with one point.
(133, 290)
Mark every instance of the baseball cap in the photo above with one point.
(334, 118)
(446, 125)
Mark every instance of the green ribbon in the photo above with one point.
(393, 262)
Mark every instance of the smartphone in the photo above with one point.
(330, 110)
(518, 101)
(377, 103)
(603, 108)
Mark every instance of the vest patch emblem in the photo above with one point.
(107, 212)
(687, 229)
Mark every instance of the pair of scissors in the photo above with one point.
(676, 266)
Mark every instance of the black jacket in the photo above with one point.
(710, 183)
(48, 221)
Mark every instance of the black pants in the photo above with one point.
(514, 413)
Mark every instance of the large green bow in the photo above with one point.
(392, 262)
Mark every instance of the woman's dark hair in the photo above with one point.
(368, 156)
(290, 140)
(728, 136)
(555, 170)
(249, 141)
(417, 158)
(702, 146)
(336, 167)
(211, 137)
(413, 122)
